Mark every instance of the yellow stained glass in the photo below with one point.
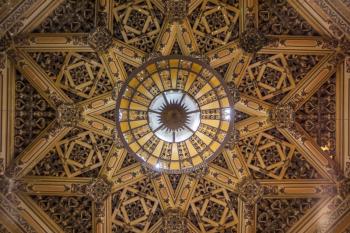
(172, 114)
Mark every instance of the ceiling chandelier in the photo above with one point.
(174, 114)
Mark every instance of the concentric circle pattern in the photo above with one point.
(174, 114)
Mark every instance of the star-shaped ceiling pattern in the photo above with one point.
(64, 149)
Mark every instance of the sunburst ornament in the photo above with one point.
(175, 114)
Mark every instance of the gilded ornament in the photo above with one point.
(233, 140)
(174, 221)
(252, 40)
(150, 173)
(343, 187)
(249, 190)
(200, 173)
(176, 10)
(99, 189)
(68, 115)
(282, 116)
(100, 39)
(235, 95)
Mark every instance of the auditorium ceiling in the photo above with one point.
(277, 162)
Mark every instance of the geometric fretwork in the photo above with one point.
(215, 24)
(134, 209)
(269, 77)
(214, 210)
(83, 153)
(137, 23)
(82, 76)
(267, 154)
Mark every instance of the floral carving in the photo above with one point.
(71, 16)
(252, 40)
(282, 116)
(100, 39)
(279, 215)
(249, 190)
(99, 189)
(72, 214)
(200, 172)
(277, 17)
(174, 221)
(176, 10)
(318, 116)
(68, 115)
(32, 114)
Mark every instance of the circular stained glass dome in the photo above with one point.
(175, 114)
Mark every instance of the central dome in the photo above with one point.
(175, 114)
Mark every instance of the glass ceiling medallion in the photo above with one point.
(175, 114)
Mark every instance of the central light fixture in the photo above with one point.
(175, 114)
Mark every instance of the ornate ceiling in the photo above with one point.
(285, 168)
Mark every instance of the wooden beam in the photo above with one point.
(58, 186)
(311, 83)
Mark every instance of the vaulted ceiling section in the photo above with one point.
(286, 167)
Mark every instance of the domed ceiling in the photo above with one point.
(77, 87)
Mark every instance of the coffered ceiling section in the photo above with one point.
(64, 168)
